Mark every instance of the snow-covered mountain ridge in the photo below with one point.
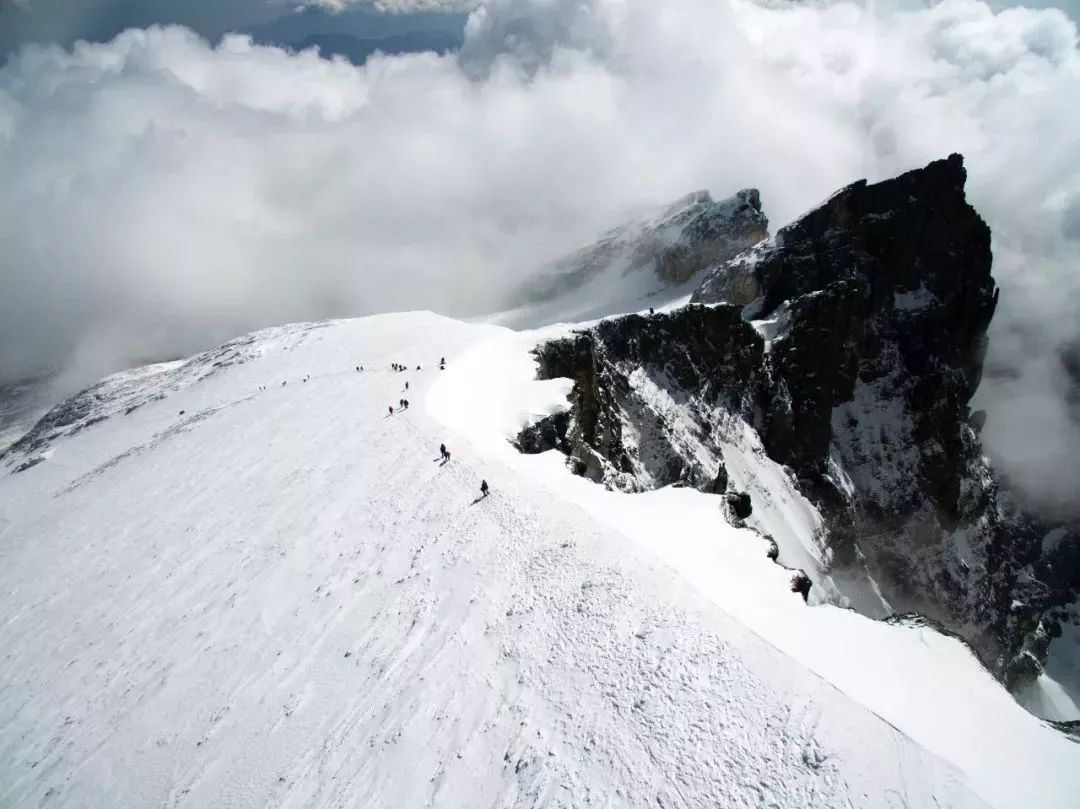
(124, 393)
(850, 344)
(256, 589)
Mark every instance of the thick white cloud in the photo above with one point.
(160, 195)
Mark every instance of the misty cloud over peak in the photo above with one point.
(161, 194)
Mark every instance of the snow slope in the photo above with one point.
(21, 405)
(279, 597)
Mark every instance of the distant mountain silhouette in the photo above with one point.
(357, 33)
(354, 34)
(357, 50)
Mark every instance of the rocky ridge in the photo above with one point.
(668, 248)
(851, 342)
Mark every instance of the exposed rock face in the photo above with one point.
(686, 237)
(882, 282)
(800, 583)
(740, 505)
(733, 281)
(869, 329)
(708, 232)
(618, 434)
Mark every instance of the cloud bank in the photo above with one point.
(161, 195)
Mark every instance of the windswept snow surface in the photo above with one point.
(282, 598)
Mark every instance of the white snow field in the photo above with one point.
(282, 598)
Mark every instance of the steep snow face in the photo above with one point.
(648, 262)
(250, 584)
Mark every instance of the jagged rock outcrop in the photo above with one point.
(618, 433)
(740, 504)
(869, 318)
(686, 237)
(884, 285)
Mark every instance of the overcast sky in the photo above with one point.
(161, 193)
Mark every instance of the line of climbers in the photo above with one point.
(403, 404)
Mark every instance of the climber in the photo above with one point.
(391, 410)
(483, 488)
(442, 450)
(406, 384)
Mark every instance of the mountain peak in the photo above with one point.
(663, 250)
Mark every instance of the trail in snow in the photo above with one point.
(283, 598)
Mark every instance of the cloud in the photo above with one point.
(161, 195)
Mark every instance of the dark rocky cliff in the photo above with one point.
(852, 342)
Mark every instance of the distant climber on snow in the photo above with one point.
(391, 410)
(483, 488)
